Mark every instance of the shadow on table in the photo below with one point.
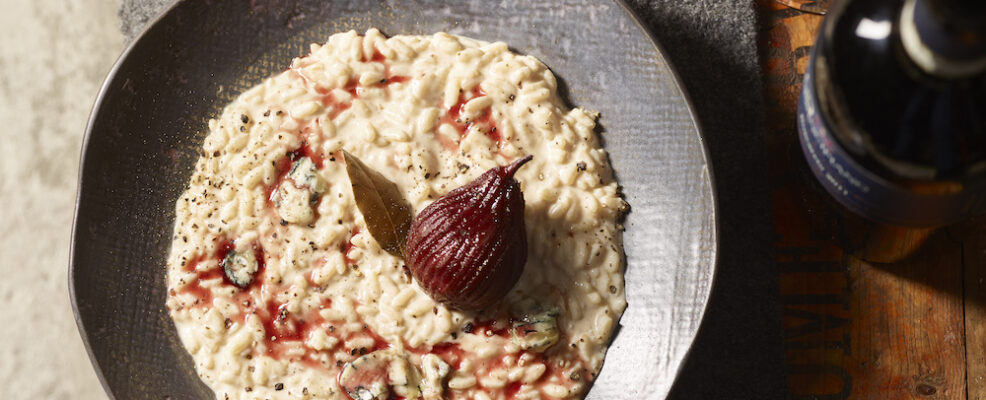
(737, 354)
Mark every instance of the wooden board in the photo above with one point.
(812, 6)
(912, 326)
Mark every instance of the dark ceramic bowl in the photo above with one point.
(150, 117)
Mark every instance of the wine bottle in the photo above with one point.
(892, 114)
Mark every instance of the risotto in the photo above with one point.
(277, 288)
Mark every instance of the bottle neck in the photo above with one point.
(939, 47)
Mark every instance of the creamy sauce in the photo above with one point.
(277, 288)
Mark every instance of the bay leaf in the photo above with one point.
(386, 212)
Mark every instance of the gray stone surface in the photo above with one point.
(135, 14)
(53, 56)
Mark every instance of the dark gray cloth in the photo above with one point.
(712, 44)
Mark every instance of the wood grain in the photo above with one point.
(972, 236)
(869, 311)
(814, 278)
(812, 6)
(907, 325)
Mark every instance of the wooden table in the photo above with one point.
(910, 327)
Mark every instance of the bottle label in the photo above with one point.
(866, 193)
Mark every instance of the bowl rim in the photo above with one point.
(73, 243)
(163, 13)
